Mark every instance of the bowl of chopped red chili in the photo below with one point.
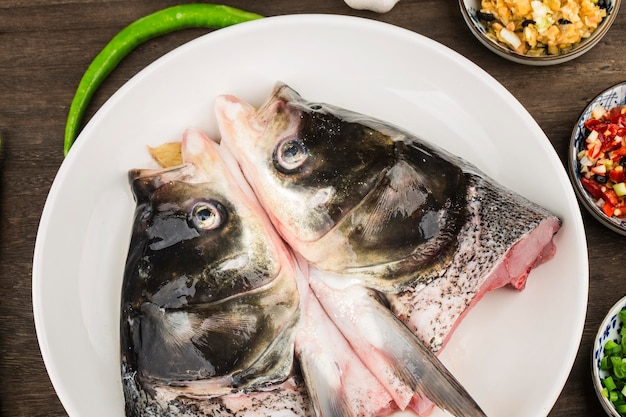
(597, 159)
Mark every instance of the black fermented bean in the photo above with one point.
(486, 17)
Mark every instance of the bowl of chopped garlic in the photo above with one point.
(538, 32)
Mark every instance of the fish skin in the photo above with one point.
(210, 304)
(500, 229)
(358, 198)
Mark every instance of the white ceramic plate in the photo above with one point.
(513, 352)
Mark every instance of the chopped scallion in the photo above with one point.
(613, 364)
(608, 383)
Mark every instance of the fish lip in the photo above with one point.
(186, 169)
(144, 181)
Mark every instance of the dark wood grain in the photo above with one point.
(46, 45)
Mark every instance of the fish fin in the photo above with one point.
(328, 400)
(427, 374)
(401, 197)
(390, 350)
(402, 229)
(339, 383)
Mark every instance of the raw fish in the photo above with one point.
(381, 212)
(214, 308)
(210, 305)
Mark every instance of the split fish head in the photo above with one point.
(350, 193)
(195, 222)
(208, 285)
(296, 155)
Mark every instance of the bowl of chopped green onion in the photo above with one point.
(608, 361)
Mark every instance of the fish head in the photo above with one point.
(209, 286)
(301, 160)
(196, 228)
(345, 190)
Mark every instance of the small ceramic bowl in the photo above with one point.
(470, 10)
(614, 96)
(609, 330)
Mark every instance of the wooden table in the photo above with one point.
(45, 45)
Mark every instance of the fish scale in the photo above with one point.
(433, 312)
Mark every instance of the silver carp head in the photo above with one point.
(352, 194)
(375, 210)
(209, 299)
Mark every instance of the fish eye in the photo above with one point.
(207, 215)
(291, 153)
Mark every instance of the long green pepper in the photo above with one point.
(159, 23)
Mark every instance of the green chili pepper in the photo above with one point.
(159, 23)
